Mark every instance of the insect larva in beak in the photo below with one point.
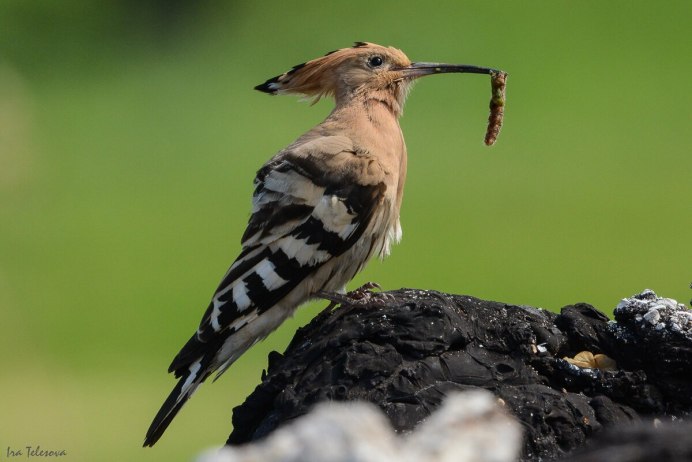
(498, 81)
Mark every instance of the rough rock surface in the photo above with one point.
(405, 353)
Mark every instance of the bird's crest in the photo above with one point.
(319, 77)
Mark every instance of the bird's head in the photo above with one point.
(364, 69)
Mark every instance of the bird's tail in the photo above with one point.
(187, 384)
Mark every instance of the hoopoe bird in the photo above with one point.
(321, 208)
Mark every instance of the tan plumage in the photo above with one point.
(322, 207)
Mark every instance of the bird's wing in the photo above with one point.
(311, 203)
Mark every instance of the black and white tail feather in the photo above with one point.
(305, 235)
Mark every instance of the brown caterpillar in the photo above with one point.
(498, 81)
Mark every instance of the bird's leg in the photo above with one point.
(360, 296)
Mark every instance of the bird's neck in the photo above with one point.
(372, 123)
(382, 104)
(371, 119)
(378, 110)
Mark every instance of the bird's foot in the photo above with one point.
(363, 295)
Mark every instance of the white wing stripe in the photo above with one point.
(190, 380)
(305, 254)
(240, 297)
(333, 214)
(270, 278)
(293, 184)
(215, 313)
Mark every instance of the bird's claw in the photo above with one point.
(363, 292)
(363, 295)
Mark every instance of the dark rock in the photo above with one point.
(405, 353)
(638, 443)
(656, 335)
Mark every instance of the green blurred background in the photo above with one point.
(130, 134)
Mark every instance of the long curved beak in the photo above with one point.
(416, 70)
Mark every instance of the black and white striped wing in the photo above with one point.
(309, 206)
(302, 217)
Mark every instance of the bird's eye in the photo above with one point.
(375, 61)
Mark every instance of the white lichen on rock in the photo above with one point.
(658, 313)
(470, 426)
